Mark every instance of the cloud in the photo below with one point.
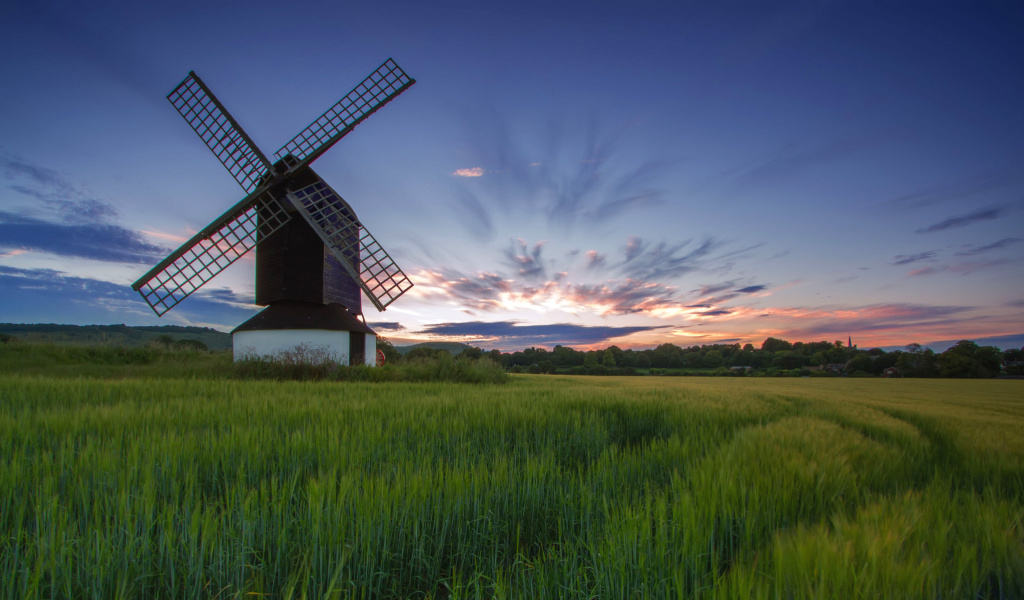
(906, 259)
(96, 241)
(896, 317)
(47, 179)
(474, 216)
(622, 297)
(714, 288)
(83, 300)
(752, 289)
(66, 221)
(924, 271)
(988, 248)
(634, 246)
(386, 326)
(227, 296)
(566, 173)
(962, 268)
(658, 261)
(514, 334)
(967, 187)
(791, 163)
(964, 220)
(69, 202)
(527, 261)
(595, 260)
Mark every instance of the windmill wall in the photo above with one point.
(305, 332)
(293, 264)
(305, 345)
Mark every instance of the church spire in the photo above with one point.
(849, 342)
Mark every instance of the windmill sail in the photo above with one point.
(220, 132)
(210, 251)
(351, 243)
(381, 87)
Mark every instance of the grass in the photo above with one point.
(156, 481)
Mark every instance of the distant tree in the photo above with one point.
(920, 364)
(743, 358)
(748, 347)
(693, 359)
(190, 345)
(423, 353)
(818, 359)
(471, 353)
(591, 360)
(164, 339)
(775, 345)
(608, 359)
(391, 355)
(955, 364)
(495, 355)
(787, 359)
(915, 348)
(860, 363)
(643, 361)
(713, 359)
(967, 359)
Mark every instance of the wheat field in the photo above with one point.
(142, 486)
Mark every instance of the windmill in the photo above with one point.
(313, 255)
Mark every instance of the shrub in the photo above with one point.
(307, 363)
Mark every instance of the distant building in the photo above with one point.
(891, 372)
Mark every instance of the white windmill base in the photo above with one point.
(299, 332)
(300, 345)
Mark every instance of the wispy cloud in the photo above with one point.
(512, 333)
(662, 260)
(582, 176)
(791, 162)
(1003, 243)
(923, 271)
(595, 260)
(964, 188)
(906, 259)
(66, 221)
(526, 260)
(964, 220)
(896, 317)
(962, 268)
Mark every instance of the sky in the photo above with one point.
(575, 173)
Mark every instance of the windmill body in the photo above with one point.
(314, 258)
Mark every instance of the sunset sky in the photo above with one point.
(575, 173)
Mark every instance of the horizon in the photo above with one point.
(1004, 342)
(630, 176)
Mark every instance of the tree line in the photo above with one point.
(775, 357)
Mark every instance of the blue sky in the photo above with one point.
(576, 173)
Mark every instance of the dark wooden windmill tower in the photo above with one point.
(313, 256)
